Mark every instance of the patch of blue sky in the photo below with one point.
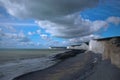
(102, 11)
(111, 31)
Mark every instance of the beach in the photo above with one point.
(65, 70)
(59, 39)
(65, 65)
(81, 67)
(16, 62)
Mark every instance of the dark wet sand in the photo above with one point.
(105, 71)
(64, 70)
(75, 68)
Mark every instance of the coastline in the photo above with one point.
(84, 66)
(12, 69)
(69, 65)
(65, 70)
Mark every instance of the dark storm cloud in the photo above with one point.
(45, 9)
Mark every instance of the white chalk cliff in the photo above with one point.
(108, 47)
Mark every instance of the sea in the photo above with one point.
(16, 62)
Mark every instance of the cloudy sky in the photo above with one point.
(44, 23)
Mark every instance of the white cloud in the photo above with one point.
(80, 39)
(115, 20)
(20, 37)
(45, 37)
(10, 28)
(60, 18)
(27, 44)
(38, 31)
(17, 24)
(0, 29)
(31, 33)
(24, 39)
(38, 44)
(72, 26)
(50, 41)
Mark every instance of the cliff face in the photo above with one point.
(96, 46)
(109, 48)
(82, 46)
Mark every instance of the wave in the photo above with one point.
(11, 70)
